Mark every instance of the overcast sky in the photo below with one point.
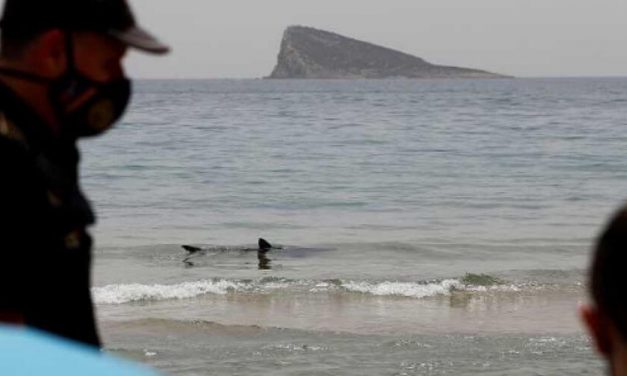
(241, 38)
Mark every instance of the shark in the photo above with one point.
(263, 246)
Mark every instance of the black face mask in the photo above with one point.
(84, 107)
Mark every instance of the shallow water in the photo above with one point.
(428, 227)
(209, 348)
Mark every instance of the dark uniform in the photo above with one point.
(45, 256)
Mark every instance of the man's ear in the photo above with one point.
(48, 54)
(598, 327)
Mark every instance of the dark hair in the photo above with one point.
(608, 280)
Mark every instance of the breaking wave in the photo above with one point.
(119, 294)
(130, 293)
(407, 289)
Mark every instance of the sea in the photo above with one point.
(421, 227)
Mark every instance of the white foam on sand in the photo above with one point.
(120, 294)
(421, 290)
(406, 289)
(129, 293)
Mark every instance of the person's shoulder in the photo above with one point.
(17, 173)
(15, 161)
(12, 139)
(26, 351)
(12, 152)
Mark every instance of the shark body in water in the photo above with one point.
(263, 248)
(264, 251)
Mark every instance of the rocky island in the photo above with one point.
(311, 53)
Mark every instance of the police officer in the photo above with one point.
(61, 79)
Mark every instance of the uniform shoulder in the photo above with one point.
(11, 151)
(15, 162)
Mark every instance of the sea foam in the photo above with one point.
(407, 289)
(128, 293)
(120, 294)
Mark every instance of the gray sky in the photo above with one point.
(240, 38)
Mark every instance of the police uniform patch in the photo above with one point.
(54, 200)
(73, 240)
(9, 130)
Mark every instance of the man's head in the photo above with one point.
(23, 20)
(606, 318)
(65, 57)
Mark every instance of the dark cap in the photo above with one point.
(112, 17)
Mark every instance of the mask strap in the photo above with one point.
(23, 75)
(27, 76)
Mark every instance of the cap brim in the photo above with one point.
(139, 38)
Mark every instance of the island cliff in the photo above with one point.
(311, 53)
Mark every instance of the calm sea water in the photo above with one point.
(427, 227)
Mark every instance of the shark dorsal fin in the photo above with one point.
(191, 249)
(264, 245)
